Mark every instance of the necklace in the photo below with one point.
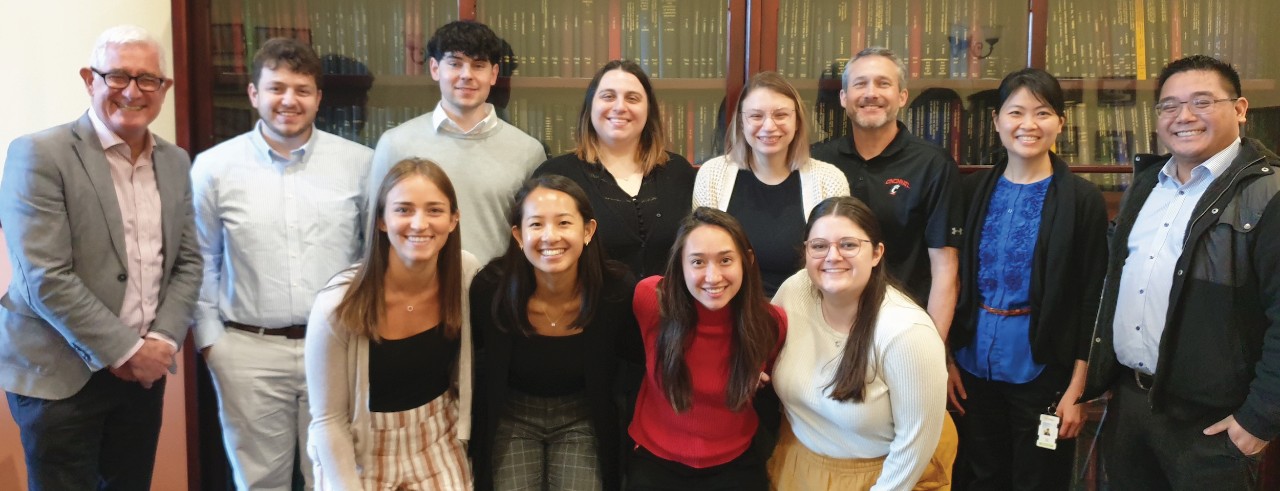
(548, 316)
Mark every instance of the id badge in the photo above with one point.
(1047, 435)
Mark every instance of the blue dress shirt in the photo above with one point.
(274, 228)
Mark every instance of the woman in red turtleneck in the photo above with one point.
(710, 335)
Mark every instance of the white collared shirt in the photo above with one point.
(441, 122)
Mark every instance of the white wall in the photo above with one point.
(45, 43)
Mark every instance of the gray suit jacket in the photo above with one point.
(59, 321)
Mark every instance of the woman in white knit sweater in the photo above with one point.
(862, 375)
(766, 179)
(388, 350)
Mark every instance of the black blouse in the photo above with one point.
(547, 366)
(773, 218)
(407, 373)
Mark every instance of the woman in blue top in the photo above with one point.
(1031, 272)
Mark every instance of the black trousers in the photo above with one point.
(998, 434)
(648, 472)
(1145, 451)
(104, 437)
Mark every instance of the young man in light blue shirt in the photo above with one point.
(279, 210)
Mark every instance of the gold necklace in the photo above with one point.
(545, 309)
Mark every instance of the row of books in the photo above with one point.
(1135, 38)
(550, 38)
(545, 38)
(572, 38)
(937, 38)
(353, 38)
(674, 38)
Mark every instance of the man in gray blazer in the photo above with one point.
(98, 219)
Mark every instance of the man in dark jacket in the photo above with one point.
(1188, 333)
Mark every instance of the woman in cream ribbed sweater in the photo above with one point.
(862, 375)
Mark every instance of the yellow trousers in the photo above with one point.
(793, 467)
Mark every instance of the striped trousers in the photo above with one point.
(418, 450)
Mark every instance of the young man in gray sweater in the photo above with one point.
(486, 158)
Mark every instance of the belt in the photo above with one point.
(297, 331)
(1006, 312)
(1142, 380)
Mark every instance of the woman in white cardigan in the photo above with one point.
(766, 179)
(862, 375)
(388, 351)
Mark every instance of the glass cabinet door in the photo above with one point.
(377, 74)
(954, 52)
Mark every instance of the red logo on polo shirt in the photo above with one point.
(895, 184)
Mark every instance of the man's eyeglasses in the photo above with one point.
(847, 247)
(780, 117)
(1198, 106)
(120, 80)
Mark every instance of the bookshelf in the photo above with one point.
(377, 75)
(1110, 53)
(1107, 55)
(952, 51)
(699, 53)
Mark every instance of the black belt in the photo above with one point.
(1142, 380)
(297, 331)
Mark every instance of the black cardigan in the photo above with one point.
(1067, 267)
(665, 198)
(612, 337)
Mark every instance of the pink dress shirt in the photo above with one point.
(139, 198)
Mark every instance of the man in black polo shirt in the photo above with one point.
(910, 184)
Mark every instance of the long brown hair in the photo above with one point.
(849, 383)
(652, 151)
(755, 329)
(362, 310)
(735, 143)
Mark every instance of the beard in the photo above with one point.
(873, 122)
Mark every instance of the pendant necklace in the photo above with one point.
(548, 316)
